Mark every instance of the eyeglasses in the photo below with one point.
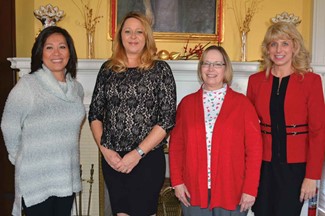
(213, 64)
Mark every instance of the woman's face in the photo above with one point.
(281, 52)
(213, 70)
(133, 37)
(56, 54)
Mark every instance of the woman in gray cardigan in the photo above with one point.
(41, 125)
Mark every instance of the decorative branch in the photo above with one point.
(194, 52)
(90, 18)
(244, 12)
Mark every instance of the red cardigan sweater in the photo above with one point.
(304, 104)
(236, 152)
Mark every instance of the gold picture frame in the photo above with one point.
(216, 36)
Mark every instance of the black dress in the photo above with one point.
(129, 104)
(280, 183)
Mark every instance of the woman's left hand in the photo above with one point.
(128, 162)
(246, 202)
(308, 189)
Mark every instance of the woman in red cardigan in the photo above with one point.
(216, 146)
(289, 102)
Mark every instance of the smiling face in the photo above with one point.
(213, 70)
(56, 55)
(281, 52)
(133, 37)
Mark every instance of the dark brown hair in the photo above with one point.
(37, 51)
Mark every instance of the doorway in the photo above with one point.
(7, 81)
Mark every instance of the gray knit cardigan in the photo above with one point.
(41, 126)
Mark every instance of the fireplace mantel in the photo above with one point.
(184, 72)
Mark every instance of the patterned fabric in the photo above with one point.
(130, 103)
(212, 102)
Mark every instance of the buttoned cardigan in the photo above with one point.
(236, 151)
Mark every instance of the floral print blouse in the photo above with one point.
(130, 103)
(212, 102)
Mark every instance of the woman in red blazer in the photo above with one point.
(215, 148)
(289, 102)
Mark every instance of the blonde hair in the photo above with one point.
(228, 67)
(284, 30)
(118, 62)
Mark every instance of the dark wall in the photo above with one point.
(7, 80)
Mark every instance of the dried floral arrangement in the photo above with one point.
(193, 53)
(91, 17)
(244, 11)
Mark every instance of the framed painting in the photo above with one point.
(173, 20)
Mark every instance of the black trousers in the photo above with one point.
(53, 206)
(279, 189)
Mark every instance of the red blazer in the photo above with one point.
(304, 104)
(236, 152)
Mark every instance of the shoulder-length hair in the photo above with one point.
(228, 67)
(118, 62)
(37, 50)
(288, 31)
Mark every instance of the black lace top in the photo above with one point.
(130, 103)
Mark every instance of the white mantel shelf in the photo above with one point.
(84, 65)
(184, 72)
(186, 79)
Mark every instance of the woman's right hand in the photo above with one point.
(182, 194)
(111, 157)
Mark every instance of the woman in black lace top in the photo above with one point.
(132, 110)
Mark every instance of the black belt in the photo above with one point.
(289, 133)
(287, 126)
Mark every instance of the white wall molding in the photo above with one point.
(318, 34)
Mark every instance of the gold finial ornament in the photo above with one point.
(174, 55)
(285, 17)
(163, 55)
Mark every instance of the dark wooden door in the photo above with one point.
(7, 81)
